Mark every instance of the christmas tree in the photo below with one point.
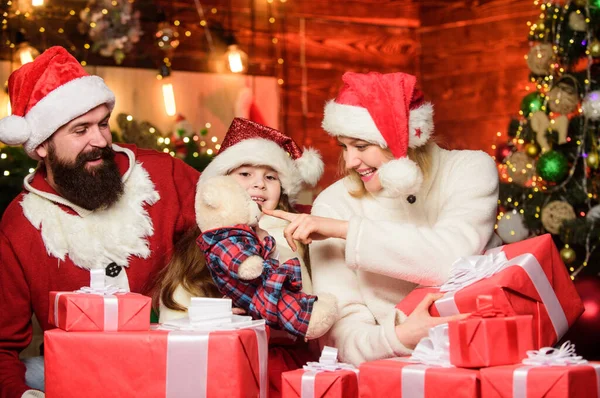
(549, 168)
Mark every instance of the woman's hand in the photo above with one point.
(305, 227)
(417, 324)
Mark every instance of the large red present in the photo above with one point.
(80, 312)
(156, 363)
(398, 377)
(522, 381)
(488, 338)
(523, 278)
(320, 384)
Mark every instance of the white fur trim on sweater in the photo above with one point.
(356, 122)
(104, 236)
(62, 105)
(263, 152)
(400, 177)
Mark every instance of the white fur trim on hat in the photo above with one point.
(356, 122)
(14, 130)
(400, 177)
(263, 152)
(64, 104)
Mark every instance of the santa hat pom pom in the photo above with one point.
(14, 130)
(400, 177)
(310, 166)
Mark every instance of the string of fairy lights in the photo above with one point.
(532, 161)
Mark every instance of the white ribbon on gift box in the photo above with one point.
(327, 363)
(548, 356)
(98, 287)
(468, 270)
(187, 346)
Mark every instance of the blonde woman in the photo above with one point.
(404, 212)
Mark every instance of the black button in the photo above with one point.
(113, 270)
(411, 199)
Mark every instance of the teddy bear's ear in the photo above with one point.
(209, 194)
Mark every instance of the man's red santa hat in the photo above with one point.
(249, 143)
(48, 93)
(384, 109)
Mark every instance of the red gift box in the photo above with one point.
(80, 312)
(323, 384)
(521, 381)
(488, 338)
(156, 363)
(534, 281)
(403, 379)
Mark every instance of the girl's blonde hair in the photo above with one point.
(420, 155)
(188, 267)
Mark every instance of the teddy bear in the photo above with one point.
(244, 269)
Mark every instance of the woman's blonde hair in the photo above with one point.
(188, 267)
(420, 155)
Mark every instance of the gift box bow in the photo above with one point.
(328, 362)
(469, 270)
(434, 350)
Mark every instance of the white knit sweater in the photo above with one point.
(393, 246)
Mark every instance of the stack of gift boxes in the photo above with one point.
(104, 346)
(521, 302)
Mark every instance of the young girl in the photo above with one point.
(273, 170)
(406, 210)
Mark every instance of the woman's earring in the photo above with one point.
(411, 199)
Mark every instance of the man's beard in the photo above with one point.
(100, 186)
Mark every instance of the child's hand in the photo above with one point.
(305, 227)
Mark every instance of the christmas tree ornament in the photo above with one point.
(592, 160)
(502, 151)
(539, 58)
(520, 167)
(511, 227)
(564, 96)
(593, 214)
(540, 123)
(577, 21)
(568, 255)
(552, 166)
(584, 333)
(531, 103)
(555, 213)
(591, 105)
(532, 150)
(540, 26)
(595, 48)
(167, 37)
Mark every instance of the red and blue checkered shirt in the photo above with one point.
(275, 295)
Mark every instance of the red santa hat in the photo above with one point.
(48, 93)
(385, 109)
(250, 143)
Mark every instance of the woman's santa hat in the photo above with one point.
(384, 109)
(48, 93)
(249, 143)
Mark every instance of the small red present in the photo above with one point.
(398, 377)
(157, 363)
(320, 384)
(524, 278)
(489, 338)
(80, 312)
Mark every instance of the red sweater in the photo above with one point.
(30, 267)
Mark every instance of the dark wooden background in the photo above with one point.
(467, 54)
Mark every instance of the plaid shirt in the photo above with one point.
(275, 296)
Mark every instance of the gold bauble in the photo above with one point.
(540, 26)
(540, 58)
(568, 255)
(520, 167)
(555, 213)
(592, 160)
(595, 48)
(532, 150)
(563, 98)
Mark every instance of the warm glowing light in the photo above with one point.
(129, 118)
(214, 139)
(210, 151)
(8, 108)
(208, 125)
(37, 3)
(169, 98)
(237, 59)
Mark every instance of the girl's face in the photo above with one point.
(261, 182)
(365, 158)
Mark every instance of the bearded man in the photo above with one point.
(90, 204)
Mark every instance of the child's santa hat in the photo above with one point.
(249, 143)
(385, 109)
(48, 93)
